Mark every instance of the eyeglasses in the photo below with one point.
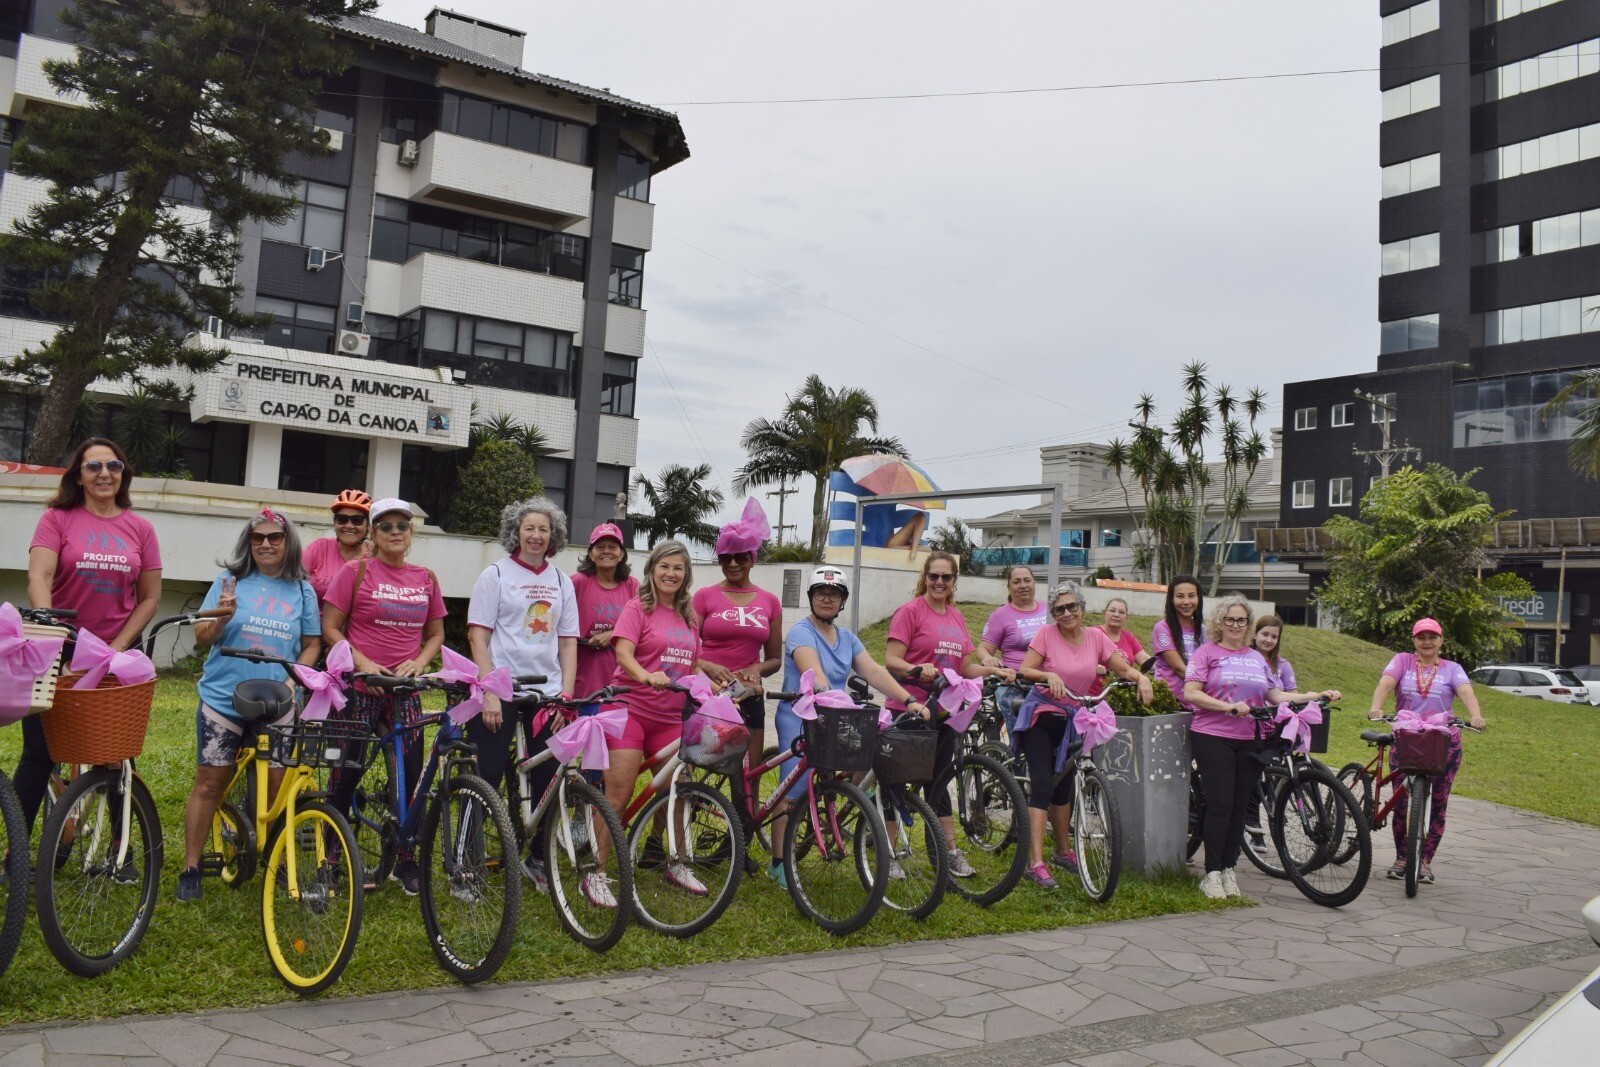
(1231, 620)
(941, 577)
(266, 538)
(398, 526)
(734, 557)
(347, 519)
(115, 466)
(1065, 609)
(828, 591)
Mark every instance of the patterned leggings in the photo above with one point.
(380, 711)
(1441, 800)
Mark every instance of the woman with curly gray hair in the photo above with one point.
(523, 615)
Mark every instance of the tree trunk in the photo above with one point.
(50, 444)
(819, 515)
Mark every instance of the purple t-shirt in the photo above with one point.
(1161, 641)
(1441, 695)
(1229, 674)
(1009, 630)
(98, 566)
(941, 639)
(1284, 675)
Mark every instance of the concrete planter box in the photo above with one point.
(1147, 766)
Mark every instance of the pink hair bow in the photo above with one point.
(810, 699)
(272, 516)
(326, 687)
(1297, 724)
(746, 535)
(23, 661)
(961, 700)
(1095, 725)
(586, 736)
(459, 670)
(711, 705)
(1410, 720)
(97, 659)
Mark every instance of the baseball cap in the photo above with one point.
(391, 503)
(1427, 626)
(608, 529)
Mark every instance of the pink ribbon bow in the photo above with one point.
(23, 661)
(97, 659)
(586, 736)
(746, 535)
(961, 700)
(1297, 724)
(1095, 725)
(810, 700)
(459, 670)
(1410, 720)
(326, 687)
(712, 705)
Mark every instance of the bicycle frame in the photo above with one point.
(410, 805)
(532, 814)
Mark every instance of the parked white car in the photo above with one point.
(1542, 680)
(1589, 675)
(1568, 1033)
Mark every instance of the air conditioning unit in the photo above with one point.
(410, 153)
(335, 138)
(316, 258)
(352, 343)
(213, 326)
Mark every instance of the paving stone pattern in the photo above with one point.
(1438, 981)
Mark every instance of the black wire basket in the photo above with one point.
(842, 739)
(328, 743)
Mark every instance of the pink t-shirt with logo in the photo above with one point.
(732, 635)
(662, 641)
(1009, 630)
(1073, 664)
(97, 574)
(1161, 640)
(387, 615)
(1229, 674)
(599, 609)
(940, 638)
(1130, 648)
(322, 564)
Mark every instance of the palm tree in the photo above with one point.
(819, 429)
(679, 504)
(1580, 400)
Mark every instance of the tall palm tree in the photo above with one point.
(679, 504)
(819, 429)
(1580, 400)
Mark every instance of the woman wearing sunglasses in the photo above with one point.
(272, 609)
(741, 626)
(325, 556)
(392, 614)
(92, 554)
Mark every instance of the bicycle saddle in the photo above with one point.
(262, 700)
(1376, 737)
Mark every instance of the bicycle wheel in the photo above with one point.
(829, 885)
(684, 887)
(14, 877)
(1313, 815)
(95, 908)
(593, 898)
(471, 881)
(1419, 791)
(916, 847)
(232, 841)
(1355, 778)
(1259, 847)
(1097, 836)
(374, 821)
(311, 924)
(991, 815)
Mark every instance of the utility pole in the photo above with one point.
(783, 492)
(1390, 451)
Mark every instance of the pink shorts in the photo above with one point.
(648, 735)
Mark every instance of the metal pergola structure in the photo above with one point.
(1052, 490)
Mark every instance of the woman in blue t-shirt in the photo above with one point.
(272, 609)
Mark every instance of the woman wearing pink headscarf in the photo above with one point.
(741, 626)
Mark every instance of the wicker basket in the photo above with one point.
(44, 689)
(101, 725)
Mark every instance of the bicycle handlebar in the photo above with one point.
(1452, 721)
(46, 616)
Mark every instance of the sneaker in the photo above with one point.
(596, 890)
(189, 885)
(410, 878)
(1425, 874)
(127, 874)
(1398, 871)
(959, 867)
(680, 875)
(1040, 874)
(895, 873)
(535, 872)
(775, 872)
(1230, 883)
(1211, 886)
(464, 889)
(1067, 861)
(63, 853)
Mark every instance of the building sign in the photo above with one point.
(1538, 609)
(341, 397)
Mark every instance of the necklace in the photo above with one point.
(1425, 678)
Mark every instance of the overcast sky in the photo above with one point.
(1002, 270)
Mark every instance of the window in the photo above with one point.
(627, 276)
(17, 411)
(1411, 22)
(513, 127)
(1542, 153)
(1495, 10)
(1340, 492)
(1110, 538)
(556, 474)
(401, 229)
(1410, 98)
(1411, 175)
(410, 110)
(1411, 253)
(1510, 411)
(1384, 410)
(336, 102)
(296, 324)
(1343, 414)
(608, 482)
(1533, 322)
(10, 131)
(1559, 233)
(492, 352)
(1305, 418)
(1548, 68)
(1305, 494)
(617, 385)
(317, 220)
(633, 174)
(1403, 335)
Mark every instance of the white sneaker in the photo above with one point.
(1230, 883)
(959, 866)
(895, 873)
(680, 875)
(597, 889)
(1211, 886)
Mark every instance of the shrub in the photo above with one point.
(1126, 702)
(500, 473)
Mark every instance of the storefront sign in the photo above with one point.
(1539, 609)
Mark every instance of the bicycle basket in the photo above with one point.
(905, 754)
(1422, 751)
(1319, 732)
(101, 725)
(43, 693)
(712, 743)
(842, 739)
(329, 743)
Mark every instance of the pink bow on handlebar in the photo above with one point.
(1410, 720)
(459, 670)
(1297, 724)
(810, 699)
(586, 737)
(1095, 725)
(23, 661)
(960, 699)
(97, 659)
(718, 706)
(326, 687)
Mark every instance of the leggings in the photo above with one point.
(1040, 743)
(34, 768)
(1229, 771)
(1441, 801)
(937, 791)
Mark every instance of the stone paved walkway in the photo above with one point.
(1441, 980)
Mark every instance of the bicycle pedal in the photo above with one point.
(211, 864)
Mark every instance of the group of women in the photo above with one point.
(602, 625)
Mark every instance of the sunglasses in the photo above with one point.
(399, 526)
(350, 520)
(1065, 609)
(941, 577)
(115, 466)
(1230, 621)
(734, 557)
(266, 538)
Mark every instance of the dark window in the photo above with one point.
(401, 229)
(617, 384)
(17, 411)
(296, 324)
(321, 463)
(608, 482)
(489, 351)
(317, 220)
(336, 103)
(216, 450)
(556, 475)
(513, 127)
(633, 174)
(627, 276)
(410, 110)
(10, 130)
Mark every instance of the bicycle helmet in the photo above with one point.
(352, 498)
(829, 576)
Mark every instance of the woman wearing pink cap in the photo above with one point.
(741, 626)
(603, 587)
(1424, 683)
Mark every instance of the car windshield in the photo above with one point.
(1567, 678)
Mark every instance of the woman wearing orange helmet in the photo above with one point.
(324, 557)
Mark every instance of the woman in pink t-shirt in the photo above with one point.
(324, 557)
(741, 626)
(603, 587)
(91, 554)
(1113, 623)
